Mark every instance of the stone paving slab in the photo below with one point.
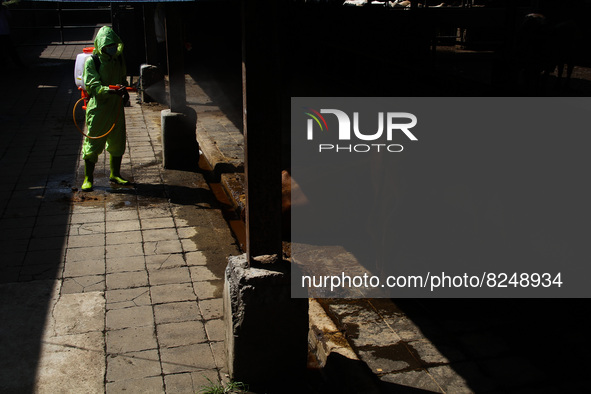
(181, 333)
(150, 385)
(142, 364)
(189, 358)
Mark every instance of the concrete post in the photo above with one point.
(180, 149)
(152, 84)
(266, 330)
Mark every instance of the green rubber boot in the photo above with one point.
(115, 164)
(88, 176)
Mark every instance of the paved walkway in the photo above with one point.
(114, 290)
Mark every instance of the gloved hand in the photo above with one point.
(125, 96)
(121, 91)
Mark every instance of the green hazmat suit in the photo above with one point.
(103, 108)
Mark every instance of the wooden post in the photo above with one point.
(258, 308)
(174, 55)
(262, 133)
(150, 34)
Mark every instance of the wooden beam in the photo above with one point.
(262, 123)
(174, 56)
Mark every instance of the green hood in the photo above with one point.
(106, 36)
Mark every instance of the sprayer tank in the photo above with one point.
(79, 66)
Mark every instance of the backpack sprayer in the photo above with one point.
(79, 80)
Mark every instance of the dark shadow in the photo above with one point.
(38, 159)
(199, 197)
(223, 86)
(513, 344)
(485, 345)
(494, 345)
(214, 32)
(344, 375)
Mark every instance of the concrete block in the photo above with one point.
(180, 383)
(85, 218)
(83, 254)
(157, 223)
(189, 245)
(124, 237)
(137, 316)
(258, 309)
(126, 298)
(180, 149)
(84, 268)
(83, 284)
(193, 382)
(202, 273)
(216, 330)
(172, 293)
(132, 339)
(196, 258)
(176, 312)
(219, 355)
(133, 365)
(163, 234)
(78, 313)
(164, 261)
(125, 264)
(208, 289)
(191, 358)
(168, 276)
(152, 211)
(212, 309)
(152, 84)
(126, 280)
(122, 225)
(181, 334)
(121, 214)
(124, 250)
(163, 247)
(149, 385)
(73, 363)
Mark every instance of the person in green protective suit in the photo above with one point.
(105, 107)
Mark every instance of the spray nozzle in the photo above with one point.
(118, 87)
